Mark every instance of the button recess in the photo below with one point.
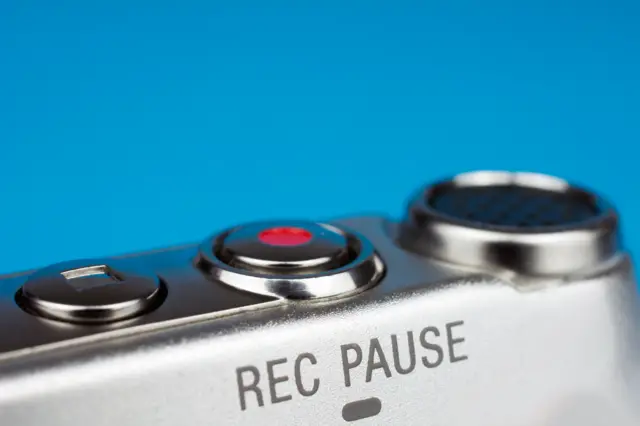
(90, 291)
(291, 259)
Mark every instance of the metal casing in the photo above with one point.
(434, 342)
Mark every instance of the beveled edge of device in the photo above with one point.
(365, 271)
(549, 250)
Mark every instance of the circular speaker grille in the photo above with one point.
(526, 222)
(513, 206)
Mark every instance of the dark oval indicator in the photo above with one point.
(358, 410)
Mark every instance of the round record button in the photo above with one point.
(291, 259)
(90, 291)
(291, 247)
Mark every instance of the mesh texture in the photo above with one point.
(513, 206)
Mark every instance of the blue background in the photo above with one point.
(132, 125)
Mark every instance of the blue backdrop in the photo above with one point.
(132, 125)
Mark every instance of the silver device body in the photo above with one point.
(433, 342)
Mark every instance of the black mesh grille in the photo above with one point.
(512, 205)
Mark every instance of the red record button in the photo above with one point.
(291, 259)
(284, 247)
(285, 236)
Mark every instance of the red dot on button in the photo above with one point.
(285, 236)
